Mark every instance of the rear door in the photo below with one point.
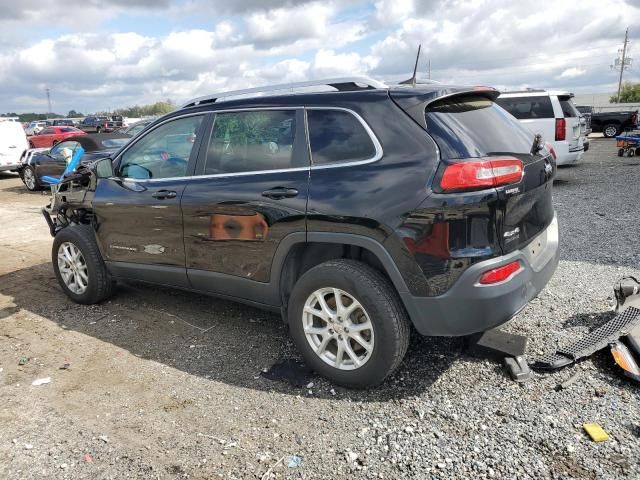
(137, 211)
(471, 126)
(249, 194)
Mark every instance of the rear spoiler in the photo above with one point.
(414, 102)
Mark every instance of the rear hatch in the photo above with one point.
(470, 126)
(576, 124)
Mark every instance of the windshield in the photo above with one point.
(474, 126)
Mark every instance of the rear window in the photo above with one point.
(337, 136)
(526, 108)
(474, 126)
(568, 108)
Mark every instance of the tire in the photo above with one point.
(620, 152)
(98, 129)
(30, 179)
(632, 152)
(638, 152)
(98, 283)
(378, 301)
(611, 130)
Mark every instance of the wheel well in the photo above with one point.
(304, 256)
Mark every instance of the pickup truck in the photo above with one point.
(611, 124)
(97, 124)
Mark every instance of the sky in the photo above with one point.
(97, 55)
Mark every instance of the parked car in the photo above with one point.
(13, 145)
(54, 161)
(612, 124)
(354, 213)
(93, 124)
(97, 124)
(135, 128)
(35, 127)
(52, 135)
(60, 122)
(553, 115)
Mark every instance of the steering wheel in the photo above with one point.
(173, 164)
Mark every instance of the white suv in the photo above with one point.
(13, 145)
(553, 115)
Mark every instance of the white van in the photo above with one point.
(13, 145)
(553, 115)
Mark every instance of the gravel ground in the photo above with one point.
(166, 384)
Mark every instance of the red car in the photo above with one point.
(52, 135)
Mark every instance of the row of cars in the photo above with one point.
(90, 124)
(41, 154)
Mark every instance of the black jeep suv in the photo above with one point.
(355, 212)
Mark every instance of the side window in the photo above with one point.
(337, 136)
(568, 108)
(48, 131)
(252, 141)
(526, 108)
(162, 153)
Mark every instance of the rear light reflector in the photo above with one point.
(561, 129)
(500, 274)
(481, 173)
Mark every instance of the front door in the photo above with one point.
(249, 193)
(138, 215)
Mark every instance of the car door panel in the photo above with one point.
(233, 223)
(139, 222)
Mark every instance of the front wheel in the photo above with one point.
(611, 130)
(79, 267)
(348, 322)
(29, 179)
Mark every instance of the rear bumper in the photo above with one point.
(468, 307)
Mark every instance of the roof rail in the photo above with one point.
(341, 84)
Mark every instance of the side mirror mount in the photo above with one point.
(103, 168)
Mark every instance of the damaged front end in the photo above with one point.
(72, 198)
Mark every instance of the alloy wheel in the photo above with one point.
(338, 328)
(29, 178)
(73, 268)
(610, 131)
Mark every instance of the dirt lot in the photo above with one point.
(166, 384)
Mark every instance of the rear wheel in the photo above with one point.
(29, 179)
(620, 152)
(632, 152)
(611, 130)
(79, 267)
(348, 322)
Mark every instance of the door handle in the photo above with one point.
(279, 193)
(162, 194)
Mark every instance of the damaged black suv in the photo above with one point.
(352, 208)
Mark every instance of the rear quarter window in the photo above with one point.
(337, 136)
(474, 126)
(569, 110)
(527, 108)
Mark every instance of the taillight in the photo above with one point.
(552, 151)
(500, 274)
(561, 129)
(480, 173)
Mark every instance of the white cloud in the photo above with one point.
(491, 42)
(572, 72)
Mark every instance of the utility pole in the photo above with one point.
(48, 102)
(622, 63)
